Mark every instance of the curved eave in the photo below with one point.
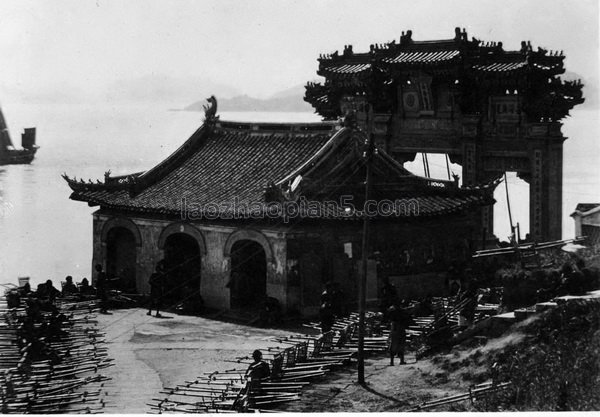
(328, 146)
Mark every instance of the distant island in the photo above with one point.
(290, 100)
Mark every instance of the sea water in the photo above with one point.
(45, 235)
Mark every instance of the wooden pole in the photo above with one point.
(365, 250)
(512, 229)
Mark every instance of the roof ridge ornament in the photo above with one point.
(210, 111)
(406, 39)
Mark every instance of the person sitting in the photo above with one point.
(68, 287)
(86, 288)
(25, 290)
(258, 370)
(48, 291)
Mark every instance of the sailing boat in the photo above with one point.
(8, 153)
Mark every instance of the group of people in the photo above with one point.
(47, 292)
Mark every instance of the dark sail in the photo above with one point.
(5, 141)
(10, 155)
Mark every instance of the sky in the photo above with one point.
(179, 50)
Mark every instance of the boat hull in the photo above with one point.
(17, 156)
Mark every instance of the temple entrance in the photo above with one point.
(248, 283)
(121, 259)
(182, 269)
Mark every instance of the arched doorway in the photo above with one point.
(121, 259)
(183, 266)
(248, 284)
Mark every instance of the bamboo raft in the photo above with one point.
(51, 358)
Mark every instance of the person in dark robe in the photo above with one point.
(156, 288)
(326, 317)
(25, 290)
(69, 288)
(271, 312)
(337, 299)
(102, 288)
(327, 294)
(50, 292)
(86, 288)
(389, 297)
(400, 320)
(258, 370)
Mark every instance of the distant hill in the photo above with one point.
(165, 88)
(290, 100)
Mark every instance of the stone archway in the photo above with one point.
(248, 280)
(183, 246)
(121, 242)
(124, 223)
(185, 228)
(121, 259)
(249, 234)
(250, 254)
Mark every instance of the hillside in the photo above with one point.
(290, 100)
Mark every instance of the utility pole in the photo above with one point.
(362, 287)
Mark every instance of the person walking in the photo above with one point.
(156, 288)
(400, 319)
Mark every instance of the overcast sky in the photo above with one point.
(86, 48)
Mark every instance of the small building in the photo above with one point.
(242, 211)
(587, 222)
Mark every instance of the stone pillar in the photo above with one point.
(472, 174)
(277, 285)
(553, 191)
(469, 165)
(148, 254)
(216, 269)
(536, 195)
(99, 247)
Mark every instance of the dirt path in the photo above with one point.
(388, 389)
(152, 353)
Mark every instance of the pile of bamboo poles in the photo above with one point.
(526, 247)
(51, 357)
(295, 361)
(476, 392)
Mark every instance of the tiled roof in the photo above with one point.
(423, 57)
(349, 69)
(229, 165)
(235, 164)
(500, 66)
